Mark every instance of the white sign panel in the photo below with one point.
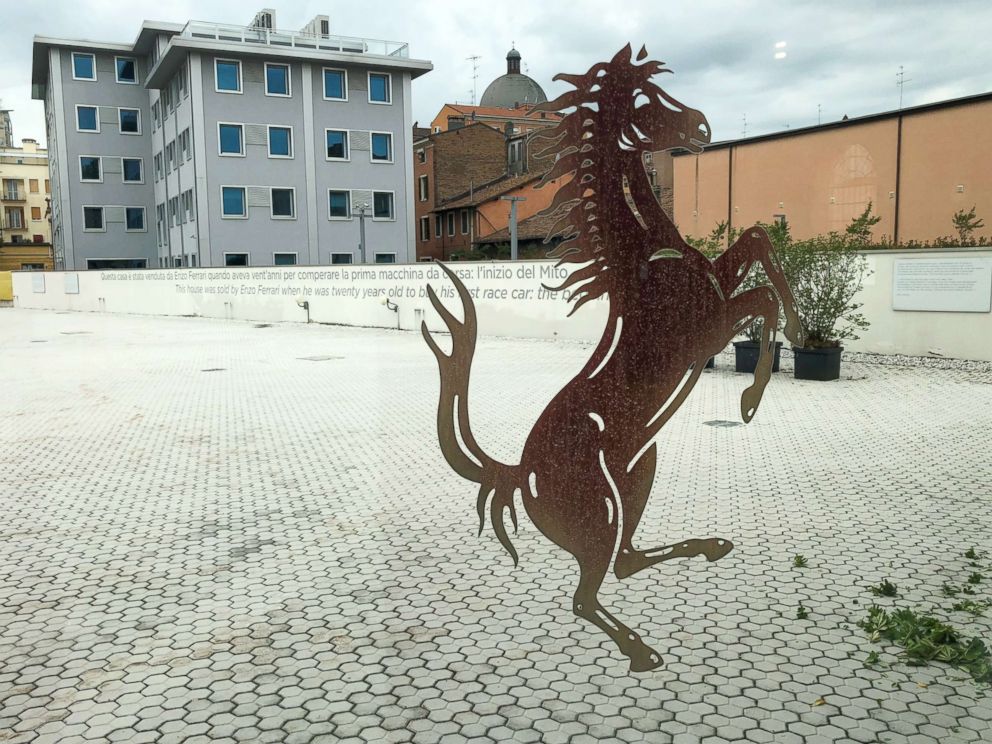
(954, 285)
(71, 283)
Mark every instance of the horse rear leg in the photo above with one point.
(593, 565)
(629, 560)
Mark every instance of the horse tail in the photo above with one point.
(458, 444)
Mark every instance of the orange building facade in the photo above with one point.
(917, 167)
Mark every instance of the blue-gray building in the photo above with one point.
(206, 144)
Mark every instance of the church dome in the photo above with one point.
(513, 88)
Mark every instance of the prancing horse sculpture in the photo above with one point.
(589, 462)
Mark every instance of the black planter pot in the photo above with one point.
(746, 355)
(817, 364)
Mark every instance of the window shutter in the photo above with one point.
(359, 140)
(256, 134)
(258, 196)
(360, 197)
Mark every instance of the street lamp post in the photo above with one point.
(513, 222)
(361, 230)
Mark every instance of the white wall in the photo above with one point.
(510, 300)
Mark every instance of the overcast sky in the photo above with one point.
(843, 55)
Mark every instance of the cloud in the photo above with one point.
(843, 57)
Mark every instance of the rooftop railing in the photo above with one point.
(293, 39)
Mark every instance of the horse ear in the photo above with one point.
(623, 55)
(642, 54)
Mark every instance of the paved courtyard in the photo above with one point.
(216, 531)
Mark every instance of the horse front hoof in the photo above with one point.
(645, 659)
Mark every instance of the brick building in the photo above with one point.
(460, 176)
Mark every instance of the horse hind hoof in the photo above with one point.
(645, 661)
(717, 548)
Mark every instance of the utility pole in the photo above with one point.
(513, 222)
(744, 130)
(901, 81)
(475, 73)
(819, 111)
(361, 230)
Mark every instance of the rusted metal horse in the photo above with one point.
(589, 462)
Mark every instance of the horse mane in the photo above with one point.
(576, 143)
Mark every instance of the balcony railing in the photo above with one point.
(13, 195)
(294, 39)
(14, 221)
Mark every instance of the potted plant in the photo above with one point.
(826, 273)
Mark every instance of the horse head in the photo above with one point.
(630, 108)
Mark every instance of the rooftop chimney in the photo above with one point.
(264, 19)
(320, 26)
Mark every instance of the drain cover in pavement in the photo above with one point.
(74, 333)
(214, 369)
(719, 422)
(319, 358)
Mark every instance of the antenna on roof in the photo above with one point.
(475, 73)
(744, 130)
(901, 80)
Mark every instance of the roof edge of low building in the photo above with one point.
(854, 120)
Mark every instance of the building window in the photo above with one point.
(380, 87)
(382, 205)
(228, 75)
(15, 221)
(422, 183)
(132, 169)
(451, 224)
(438, 225)
(89, 169)
(382, 147)
(337, 144)
(335, 85)
(87, 119)
(231, 139)
(127, 72)
(464, 216)
(385, 258)
(425, 228)
(134, 219)
(235, 259)
(280, 142)
(341, 258)
(158, 166)
(33, 185)
(184, 143)
(339, 205)
(36, 214)
(277, 80)
(283, 204)
(83, 66)
(130, 120)
(93, 219)
(48, 186)
(233, 202)
(421, 156)
(284, 259)
(156, 115)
